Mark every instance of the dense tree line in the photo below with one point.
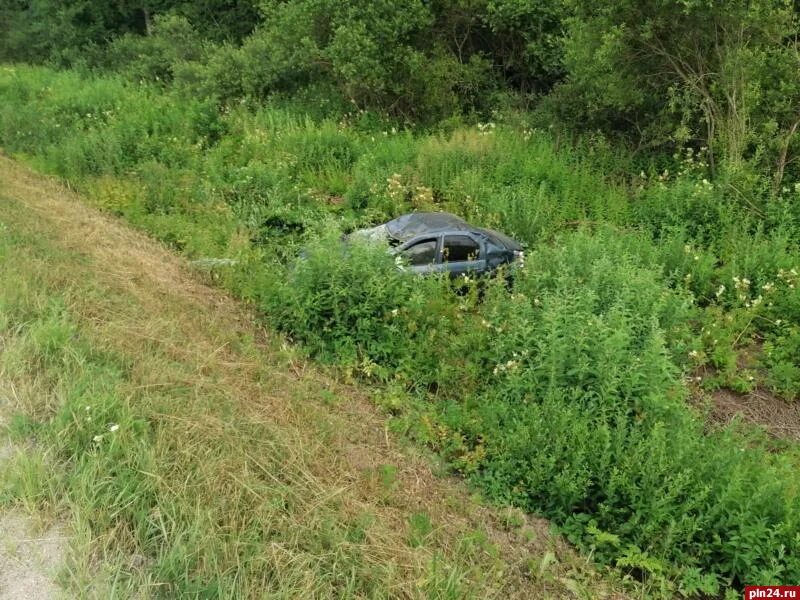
(661, 76)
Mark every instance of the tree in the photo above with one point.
(681, 71)
(62, 31)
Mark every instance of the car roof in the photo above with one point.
(409, 226)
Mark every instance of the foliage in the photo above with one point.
(418, 61)
(697, 73)
(172, 43)
(70, 31)
(565, 397)
(560, 398)
(658, 77)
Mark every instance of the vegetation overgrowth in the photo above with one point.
(658, 77)
(566, 396)
(183, 452)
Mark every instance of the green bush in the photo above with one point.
(338, 302)
(780, 357)
(156, 57)
(561, 398)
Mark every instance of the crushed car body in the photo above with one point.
(439, 242)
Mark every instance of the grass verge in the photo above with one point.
(192, 455)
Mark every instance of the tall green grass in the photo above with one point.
(566, 397)
(230, 181)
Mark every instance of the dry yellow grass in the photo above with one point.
(236, 416)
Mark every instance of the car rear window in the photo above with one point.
(460, 248)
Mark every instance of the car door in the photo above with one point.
(422, 254)
(462, 254)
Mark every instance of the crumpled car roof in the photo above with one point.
(413, 224)
(405, 227)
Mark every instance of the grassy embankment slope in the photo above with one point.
(191, 453)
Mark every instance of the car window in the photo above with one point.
(421, 253)
(458, 248)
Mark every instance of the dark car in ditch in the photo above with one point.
(439, 242)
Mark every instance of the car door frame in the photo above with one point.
(433, 267)
(464, 267)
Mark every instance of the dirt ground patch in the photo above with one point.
(29, 556)
(29, 559)
(778, 417)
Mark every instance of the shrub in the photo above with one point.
(338, 302)
(155, 57)
(561, 398)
